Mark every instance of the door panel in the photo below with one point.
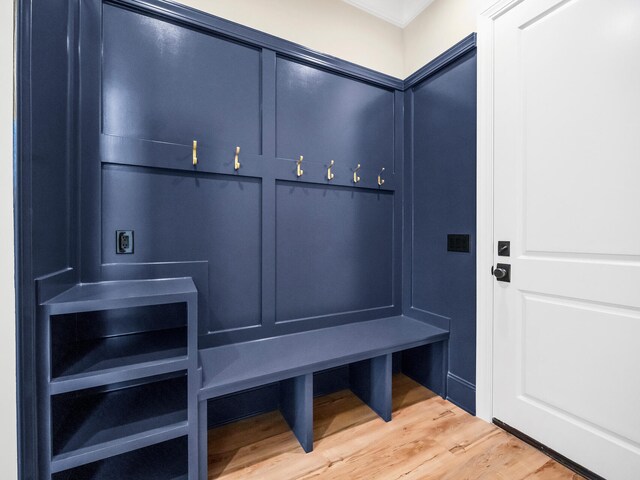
(608, 338)
(167, 83)
(567, 163)
(587, 135)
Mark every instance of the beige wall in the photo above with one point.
(336, 28)
(441, 25)
(328, 26)
(8, 439)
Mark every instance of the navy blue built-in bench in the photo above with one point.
(126, 381)
(293, 359)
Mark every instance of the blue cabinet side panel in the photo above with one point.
(325, 117)
(168, 83)
(334, 250)
(444, 202)
(179, 217)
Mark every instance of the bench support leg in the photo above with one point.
(371, 382)
(428, 366)
(296, 405)
(203, 450)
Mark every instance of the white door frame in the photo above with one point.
(489, 11)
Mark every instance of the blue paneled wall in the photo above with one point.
(163, 82)
(281, 251)
(329, 117)
(440, 200)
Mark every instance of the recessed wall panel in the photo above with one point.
(324, 116)
(334, 250)
(165, 82)
(179, 217)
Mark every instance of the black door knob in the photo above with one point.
(499, 273)
(502, 272)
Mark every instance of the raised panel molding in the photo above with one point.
(334, 250)
(179, 217)
(167, 83)
(324, 116)
(556, 367)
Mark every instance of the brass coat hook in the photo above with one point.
(380, 179)
(195, 152)
(299, 170)
(356, 178)
(236, 161)
(330, 174)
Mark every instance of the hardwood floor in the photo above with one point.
(427, 438)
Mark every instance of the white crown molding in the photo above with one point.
(397, 12)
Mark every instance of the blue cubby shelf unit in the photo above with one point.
(287, 216)
(121, 374)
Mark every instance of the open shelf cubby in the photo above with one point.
(164, 461)
(93, 424)
(85, 344)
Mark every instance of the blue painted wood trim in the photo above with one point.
(25, 296)
(221, 27)
(451, 55)
(461, 392)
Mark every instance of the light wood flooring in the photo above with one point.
(427, 438)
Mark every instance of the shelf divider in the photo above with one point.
(296, 405)
(371, 381)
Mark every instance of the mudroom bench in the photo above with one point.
(366, 347)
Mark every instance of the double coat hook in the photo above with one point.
(330, 174)
(356, 178)
(380, 179)
(299, 170)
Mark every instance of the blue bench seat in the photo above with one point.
(236, 367)
(367, 348)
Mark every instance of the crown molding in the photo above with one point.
(399, 13)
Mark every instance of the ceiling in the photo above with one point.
(397, 12)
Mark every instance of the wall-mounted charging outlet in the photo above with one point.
(458, 243)
(124, 241)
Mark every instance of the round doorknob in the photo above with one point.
(499, 273)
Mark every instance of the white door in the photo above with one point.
(567, 197)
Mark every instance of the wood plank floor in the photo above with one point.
(427, 438)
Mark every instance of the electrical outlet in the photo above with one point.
(458, 243)
(124, 241)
